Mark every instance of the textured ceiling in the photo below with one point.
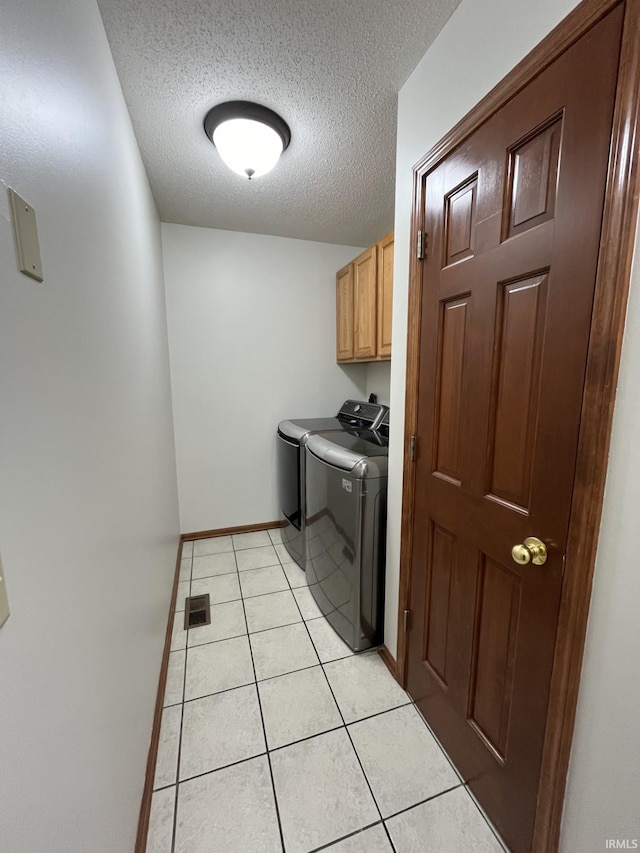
(331, 68)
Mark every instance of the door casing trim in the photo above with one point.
(605, 342)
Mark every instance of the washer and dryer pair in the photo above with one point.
(333, 489)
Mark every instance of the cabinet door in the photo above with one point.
(385, 295)
(364, 290)
(344, 314)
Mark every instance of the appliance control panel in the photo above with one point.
(356, 413)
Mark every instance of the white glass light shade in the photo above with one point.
(248, 147)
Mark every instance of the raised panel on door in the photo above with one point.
(452, 339)
(344, 314)
(364, 294)
(514, 217)
(442, 559)
(494, 653)
(459, 218)
(532, 178)
(516, 392)
(442, 643)
(385, 296)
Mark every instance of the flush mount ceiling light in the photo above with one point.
(249, 137)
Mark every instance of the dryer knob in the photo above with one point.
(357, 407)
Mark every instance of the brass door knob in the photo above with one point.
(532, 550)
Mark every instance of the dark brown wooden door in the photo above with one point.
(513, 218)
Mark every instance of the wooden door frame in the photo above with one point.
(603, 359)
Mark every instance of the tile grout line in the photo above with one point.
(359, 720)
(259, 595)
(461, 782)
(302, 740)
(283, 675)
(224, 766)
(264, 730)
(346, 837)
(344, 725)
(234, 550)
(279, 675)
(364, 773)
(383, 819)
(241, 571)
(255, 681)
(262, 631)
(422, 802)
(270, 750)
(182, 704)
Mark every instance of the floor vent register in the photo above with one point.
(197, 611)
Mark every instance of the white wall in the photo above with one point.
(479, 45)
(603, 793)
(88, 509)
(379, 380)
(252, 342)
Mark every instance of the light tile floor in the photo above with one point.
(276, 737)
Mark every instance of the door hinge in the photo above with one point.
(407, 619)
(422, 245)
(413, 441)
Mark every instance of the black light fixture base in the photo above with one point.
(248, 110)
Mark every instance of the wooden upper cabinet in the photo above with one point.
(365, 304)
(364, 290)
(344, 314)
(385, 295)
